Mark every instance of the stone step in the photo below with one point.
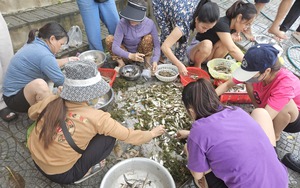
(19, 24)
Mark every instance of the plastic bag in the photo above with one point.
(75, 36)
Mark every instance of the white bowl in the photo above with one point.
(138, 170)
(167, 67)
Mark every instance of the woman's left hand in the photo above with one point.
(236, 37)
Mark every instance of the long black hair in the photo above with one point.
(247, 10)
(201, 97)
(206, 11)
(45, 32)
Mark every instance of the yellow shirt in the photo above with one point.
(83, 123)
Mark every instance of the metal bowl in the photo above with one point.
(263, 39)
(106, 100)
(130, 72)
(95, 56)
(140, 171)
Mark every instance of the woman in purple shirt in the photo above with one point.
(228, 146)
(136, 37)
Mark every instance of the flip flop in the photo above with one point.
(8, 115)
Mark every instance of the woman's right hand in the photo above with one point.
(157, 131)
(181, 134)
(136, 57)
(182, 69)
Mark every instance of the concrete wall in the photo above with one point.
(12, 6)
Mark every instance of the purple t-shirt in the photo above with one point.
(130, 36)
(236, 149)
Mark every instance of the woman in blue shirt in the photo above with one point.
(25, 82)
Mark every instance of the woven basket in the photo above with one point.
(221, 62)
(167, 67)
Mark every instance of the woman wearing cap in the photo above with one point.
(218, 41)
(93, 131)
(269, 86)
(33, 66)
(224, 150)
(174, 19)
(136, 37)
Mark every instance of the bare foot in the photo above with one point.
(280, 35)
(248, 34)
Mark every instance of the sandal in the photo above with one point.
(8, 115)
(92, 171)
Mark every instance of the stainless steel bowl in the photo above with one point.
(130, 72)
(138, 170)
(95, 56)
(263, 39)
(106, 101)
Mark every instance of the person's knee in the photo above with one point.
(259, 112)
(206, 47)
(148, 38)
(262, 116)
(109, 39)
(41, 84)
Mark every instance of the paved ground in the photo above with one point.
(15, 155)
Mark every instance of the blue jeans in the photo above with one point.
(91, 13)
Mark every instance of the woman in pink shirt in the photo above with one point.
(271, 87)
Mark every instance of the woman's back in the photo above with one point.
(235, 147)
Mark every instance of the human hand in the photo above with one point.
(154, 66)
(137, 57)
(181, 134)
(182, 69)
(236, 37)
(73, 58)
(157, 131)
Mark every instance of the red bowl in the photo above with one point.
(194, 73)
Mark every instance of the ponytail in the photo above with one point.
(247, 10)
(31, 35)
(53, 115)
(206, 11)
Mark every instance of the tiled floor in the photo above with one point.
(15, 155)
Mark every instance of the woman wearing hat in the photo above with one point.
(25, 81)
(271, 87)
(70, 117)
(136, 36)
(176, 18)
(227, 145)
(218, 41)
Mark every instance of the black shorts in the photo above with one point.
(17, 102)
(293, 127)
(214, 182)
(262, 1)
